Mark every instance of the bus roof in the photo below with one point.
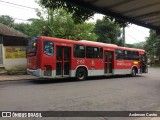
(97, 42)
(92, 43)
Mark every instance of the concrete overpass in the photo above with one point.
(144, 13)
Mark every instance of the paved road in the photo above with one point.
(119, 93)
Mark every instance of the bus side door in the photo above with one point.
(108, 62)
(63, 61)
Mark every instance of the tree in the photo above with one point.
(85, 31)
(63, 24)
(80, 14)
(6, 20)
(152, 45)
(107, 31)
(39, 27)
(24, 28)
(59, 23)
(139, 45)
(35, 28)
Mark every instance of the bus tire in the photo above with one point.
(133, 72)
(81, 74)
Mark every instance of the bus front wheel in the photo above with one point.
(133, 73)
(81, 74)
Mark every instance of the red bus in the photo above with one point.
(54, 58)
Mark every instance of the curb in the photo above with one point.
(15, 80)
(16, 77)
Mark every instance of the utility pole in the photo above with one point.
(123, 36)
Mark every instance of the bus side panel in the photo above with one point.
(46, 62)
(124, 66)
(94, 67)
(32, 62)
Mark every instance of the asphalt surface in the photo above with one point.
(118, 93)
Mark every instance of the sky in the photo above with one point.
(134, 33)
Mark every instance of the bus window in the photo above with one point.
(48, 48)
(127, 55)
(135, 55)
(32, 46)
(119, 54)
(101, 53)
(79, 51)
(92, 52)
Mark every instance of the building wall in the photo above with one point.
(1, 51)
(14, 57)
(17, 63)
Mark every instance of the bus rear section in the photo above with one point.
(49, 59)
(32, 57)
(41, 58)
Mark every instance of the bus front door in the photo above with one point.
(63, 58)
(108, 62)
(143, 64)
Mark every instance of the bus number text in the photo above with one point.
(80, 61)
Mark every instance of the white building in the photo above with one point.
(13, 46)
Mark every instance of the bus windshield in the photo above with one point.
(32, 46)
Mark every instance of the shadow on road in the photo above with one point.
(63, 80)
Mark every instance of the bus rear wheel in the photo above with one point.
(133, 73)
(81, 74)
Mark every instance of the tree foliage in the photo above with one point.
(139, 45)
(85, 31)
(80, 14)
(63, 26)
(6, 20)
(152, 45)
(107, 31)
(58, 23)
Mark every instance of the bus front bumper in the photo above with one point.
(36, 72)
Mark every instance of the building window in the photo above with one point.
(48, 48)
(79, 51)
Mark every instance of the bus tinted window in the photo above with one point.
(127, 55)
(32, 45)
(48, 48)
(101, 53)
(135, 55)
(79, 51)
(92, 52)
(119, 54)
